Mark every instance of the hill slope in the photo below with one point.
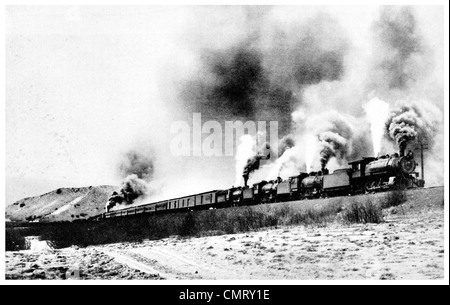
(63, 204)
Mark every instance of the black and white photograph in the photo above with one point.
(177, 144)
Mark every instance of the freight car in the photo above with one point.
(368, 174)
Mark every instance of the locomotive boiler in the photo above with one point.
(269, 190)
(392, 170)
(312, 185)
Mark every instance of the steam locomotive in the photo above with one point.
(366, 175)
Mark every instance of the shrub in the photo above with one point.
(283, 212)
(315, 216)
(30, 218)
(394, 198)
(365, 212)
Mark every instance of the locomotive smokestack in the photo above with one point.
(254, 161)
(245, 179)
(402, 147)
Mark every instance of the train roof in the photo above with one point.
(363, 160)
(162, 201)
(181, 197)
(341, 170)
(257, 183)
(300, 174)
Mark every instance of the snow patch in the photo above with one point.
(36, 245)
(49, 204)
(67, 206)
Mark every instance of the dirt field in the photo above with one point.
(409, 245)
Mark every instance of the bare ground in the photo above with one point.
(409, 245)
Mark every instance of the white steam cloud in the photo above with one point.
(377, 112)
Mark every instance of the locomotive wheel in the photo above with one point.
(307, 193)
(410, 183)
(367, 187)
(402, 184)
(374, 186)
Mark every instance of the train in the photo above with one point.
(366, 175)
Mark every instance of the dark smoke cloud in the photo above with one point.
(137, 169)
(252, 165)
(132, 188)
(285, 143)
(335, 141)
(262, 78)
(326, 66)
(235, 80)
(238, 87)
(333, 145)
(409, 122)
(361, 144)
(238, 78)
(253, 162)
(338, 135)
(138, 164)
(401, 49)
(309, 54)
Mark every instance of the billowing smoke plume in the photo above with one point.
(332, 145)
(288, 163)
(137, 169)
(253, 162)
(335, 139)
(139, 164)
(262, 77)
(238, 77)
(310, 144)
(252, 165)
(245, 150)
(307, 53)
(319, 139)
(409, 122)
(132, 188)
(286, 143)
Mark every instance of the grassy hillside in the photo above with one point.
(64, 204)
